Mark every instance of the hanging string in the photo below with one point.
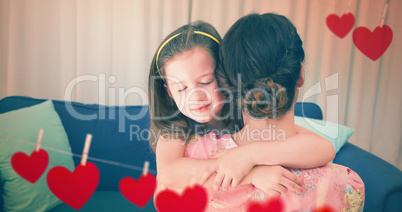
(384, 14)
(334, 5)
(113, 163)
(348, 8)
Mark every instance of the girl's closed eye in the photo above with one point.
(202, 83)
(207, 81)
(179, 87)
(182, 89)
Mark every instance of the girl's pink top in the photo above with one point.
(333, 185)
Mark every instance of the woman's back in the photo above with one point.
(333, 185)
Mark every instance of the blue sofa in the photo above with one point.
(121, 138)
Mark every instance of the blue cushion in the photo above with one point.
(111, 141)
(308, 109)
(24, 124)
(393, 202)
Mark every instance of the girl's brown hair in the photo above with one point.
(166, 119)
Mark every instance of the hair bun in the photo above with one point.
(264, 98)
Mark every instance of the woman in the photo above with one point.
(262, 58)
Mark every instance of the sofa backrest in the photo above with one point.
(119, 144)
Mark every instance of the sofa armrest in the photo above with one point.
(383, 182)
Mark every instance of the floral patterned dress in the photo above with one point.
(333, 185)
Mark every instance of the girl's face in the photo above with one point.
(192, 85)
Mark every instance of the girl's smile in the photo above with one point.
(202, 108)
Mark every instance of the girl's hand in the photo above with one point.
(274, 180)
(231, 167)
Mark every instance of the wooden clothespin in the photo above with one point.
(145, 169)
(39, 140)
(86, 149)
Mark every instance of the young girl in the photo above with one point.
(183, 91)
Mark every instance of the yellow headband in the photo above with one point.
(168, 40)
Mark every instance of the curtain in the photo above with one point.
(99, 51)
(93, 51)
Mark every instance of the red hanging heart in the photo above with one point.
(324, 208)
(372, 44)
(75, 188)
(193, 199)
(274, 204)
(138, 192)
(341, 26)
(30, 167)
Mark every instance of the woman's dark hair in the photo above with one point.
(166, 119)
(261, 56)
